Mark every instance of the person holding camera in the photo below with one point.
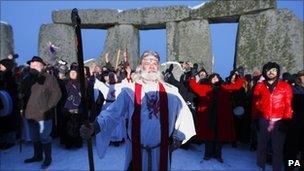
(214, 113)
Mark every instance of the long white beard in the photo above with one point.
(148, 76)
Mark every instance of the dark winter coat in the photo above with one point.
(73, 100)
(217, 108)
(298, 105)
(42, 93)
(7, 83)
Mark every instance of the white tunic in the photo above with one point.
(181, 124)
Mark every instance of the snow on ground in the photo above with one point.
(76, 159)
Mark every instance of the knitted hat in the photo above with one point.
(74, 67)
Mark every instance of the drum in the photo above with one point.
(7, 102)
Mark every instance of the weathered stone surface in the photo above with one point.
(273, 35)
(146, 18)
(6, 40)
(62, 36)
(156, 17)
(227, 11)
(122, 37)
(189, 41)
(90, 18)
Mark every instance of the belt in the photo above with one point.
(149, 151)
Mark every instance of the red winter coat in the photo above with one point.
(272, 105)
(224, 123)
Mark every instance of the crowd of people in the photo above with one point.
(261, 109)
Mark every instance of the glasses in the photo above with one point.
(273, 70)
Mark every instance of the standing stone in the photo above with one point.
(6, 40)
(154, 17)
(189, 41)
(90, 18)
(145, 18)
(63, 37)
(273, 35)
(228, 11)
(122, 37)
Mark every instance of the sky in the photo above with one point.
(26, 17)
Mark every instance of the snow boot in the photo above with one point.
(47, 148)
(37, 153)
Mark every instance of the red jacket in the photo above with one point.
(272, 105)
(225, 131)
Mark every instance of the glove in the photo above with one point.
(86, 132)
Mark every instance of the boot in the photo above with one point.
(47, 148)
(218, 152)
(37, 153)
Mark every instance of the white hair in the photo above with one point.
(140, 74)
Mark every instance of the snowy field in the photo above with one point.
(234, 159)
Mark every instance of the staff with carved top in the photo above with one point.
(77, 23)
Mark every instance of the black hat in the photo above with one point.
(74, 67)
(35, 59)
(269, 66)
(7, 63)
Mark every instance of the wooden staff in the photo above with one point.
(117, 59)
(76, 23)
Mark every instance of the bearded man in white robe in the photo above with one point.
(158, 119)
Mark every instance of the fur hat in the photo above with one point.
(269, 66)
(7, 63)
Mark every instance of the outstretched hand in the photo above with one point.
(86, 132)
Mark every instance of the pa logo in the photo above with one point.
(294, 163)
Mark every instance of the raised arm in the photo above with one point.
(199, 89)
(234, 86)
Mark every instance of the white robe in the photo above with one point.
(110, 92)
(181, 124)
